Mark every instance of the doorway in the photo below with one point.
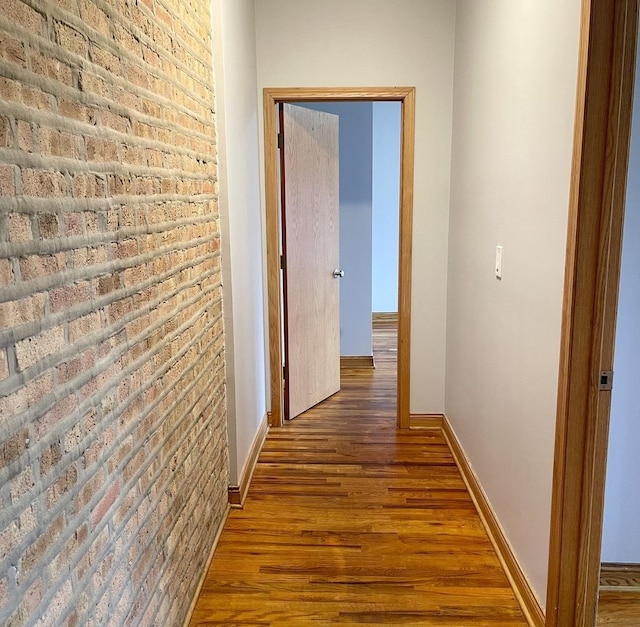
(272, 98)
(601, 154)
(366, 197)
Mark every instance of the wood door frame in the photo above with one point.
(406, 97)
(594, 242)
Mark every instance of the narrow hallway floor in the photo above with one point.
(350, 521)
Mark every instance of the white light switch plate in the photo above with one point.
(498, 265)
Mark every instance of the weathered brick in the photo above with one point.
(74, 110)
(101, 149)
(88, 186)
(29, 394)
(7, 180)
(83, 326)
(91, 222)
(66, 481)
(57, 605)
(12, 50)
(48, 225)
(35, 98)
(43, 183)
(59, 411)
(20, 13)
(33, 349)
(6, 272)
(25, 136)
(65, 297)
(104, 58)
(4, 591)
(94, 17)
(72, 368)
(57, 143)
(71, 39)
(14, 446)
(89, 489)
(102, 507)
(20, 228)
(32, 597)
(23, 483)
(108, 284)
(51, 68)
(6, 138)
(94, 84)
(35, 266)
(4, 365)
(15, 312)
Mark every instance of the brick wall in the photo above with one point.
(113, 455)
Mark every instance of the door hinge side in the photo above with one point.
(284, 372)
(280, 141)
(283, 262)
(606, 380)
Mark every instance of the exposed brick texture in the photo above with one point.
(113, 451)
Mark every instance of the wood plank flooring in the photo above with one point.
(350, 521)
(619, 596)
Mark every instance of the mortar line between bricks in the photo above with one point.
(186, 26)
(109, 44)
(66, 535)
(12, 511)
(19, 333)
(92, 339)
(34, 205)
(103, 364)
(19, 158)
(153, 506)
(14, 71)
(60, 392)
(24, 289)
(65, 244)
(43, 284)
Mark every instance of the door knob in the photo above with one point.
(338, 274)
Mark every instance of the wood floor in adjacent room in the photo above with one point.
(619, 596)
(352, 522)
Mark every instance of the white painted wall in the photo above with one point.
(332, 43)
(386, 197)
(356, 167)
(621, 536)
(514, 102)
(241, 221)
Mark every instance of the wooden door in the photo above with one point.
(310, 220)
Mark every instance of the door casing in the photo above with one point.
(406, 97)
(594, 244)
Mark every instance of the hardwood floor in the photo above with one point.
(619, 596)
(619, 608)
(350, 521)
